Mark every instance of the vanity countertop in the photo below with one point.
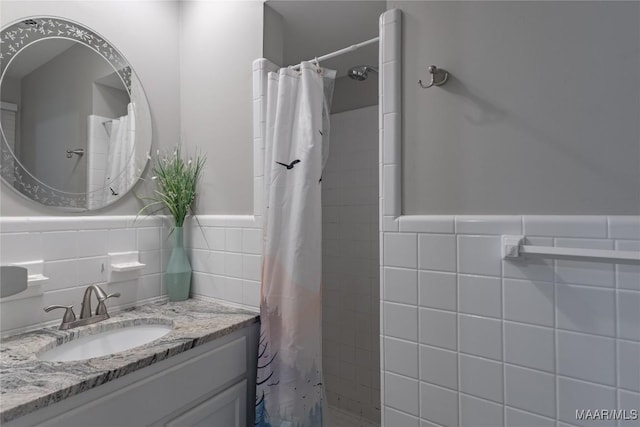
(27, 383)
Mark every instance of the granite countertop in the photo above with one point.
(27, 383)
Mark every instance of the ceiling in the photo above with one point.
(314, 28)
(38, 54)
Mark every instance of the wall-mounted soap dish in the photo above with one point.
(123, 265)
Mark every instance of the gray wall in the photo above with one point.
(219, 41)
(146, 33)
(273, 36)
(541, 113)
(350, 94)
(109, 102)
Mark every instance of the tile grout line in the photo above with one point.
(556, 382)
(458, 341)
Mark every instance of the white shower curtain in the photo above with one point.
(290, 389)
(121, 173)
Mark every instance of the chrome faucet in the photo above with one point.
(101, 310)
(86, 317)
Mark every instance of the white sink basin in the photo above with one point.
(105, 343)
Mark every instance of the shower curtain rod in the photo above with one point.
(341, 51)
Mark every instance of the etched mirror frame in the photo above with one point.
(17, 36)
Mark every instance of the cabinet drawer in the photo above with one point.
(224, 409)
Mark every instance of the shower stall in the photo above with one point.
(350, 273)
(350, 265)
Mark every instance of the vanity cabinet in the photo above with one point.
(210, 385)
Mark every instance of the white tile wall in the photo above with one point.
(501, 343)
(513, 351)
(74, 250)
(478, 412)
(481, 378)
(351, 270)
(532, 341)
(224, 256)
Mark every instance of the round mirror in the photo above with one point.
(75, 122)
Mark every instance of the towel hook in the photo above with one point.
(439, 77)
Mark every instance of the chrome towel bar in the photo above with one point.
(514, 248)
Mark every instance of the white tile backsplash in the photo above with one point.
(624, 227)
(586, 309)
(479, 255)
(397, 418)
(481, 378)
(531, 390)
(252, 241)
(401, 321)
(493, 224)
(626, 400)
(402, 393)
(628, 275)
(75, 253)
(480, 336)
(518, 418)
(552, 335)
(581, 272)
(629, 365)
(629, 315)
(149, 238)
(60, 245)
(437, 252)
(426, 223)
(93, 242)
(251, 267)
(438, 366)
(402, 357)
(401, 285)
(233, 264)
(437, 328)
(478, 412)
(542, 300)
(580, 356)
(61, 274)
(529, 346)
(438, 404)
(480, 295)
(92, 270)
(437, 290)
(574, 395)
(529, 302)
(233, 240)
(400, 250)
(121, 240)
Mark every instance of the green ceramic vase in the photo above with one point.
(178, 273)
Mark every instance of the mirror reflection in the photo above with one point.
(70, 121)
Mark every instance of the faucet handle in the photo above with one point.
(102, 308)
(69, 315)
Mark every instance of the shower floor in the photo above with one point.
(340, 418)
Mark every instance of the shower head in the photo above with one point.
(361, 72)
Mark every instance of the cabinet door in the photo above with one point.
(226, 409)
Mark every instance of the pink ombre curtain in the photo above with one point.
(290, 389)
